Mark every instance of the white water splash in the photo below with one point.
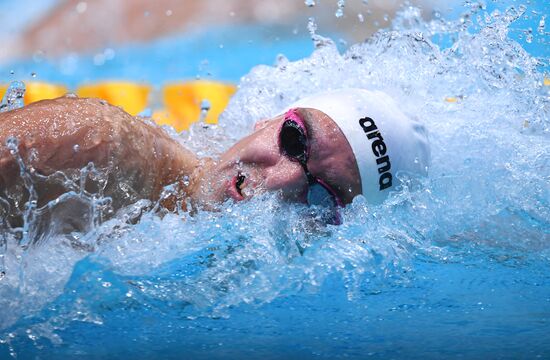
(485, 104)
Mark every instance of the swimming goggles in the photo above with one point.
(294, 143)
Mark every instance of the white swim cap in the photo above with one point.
(383, 139)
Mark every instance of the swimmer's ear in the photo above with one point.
(261, 124)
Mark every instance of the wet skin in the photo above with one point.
(266, 168)
(141, 159)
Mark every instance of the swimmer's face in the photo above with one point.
(259, 163)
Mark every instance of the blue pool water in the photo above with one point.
(455, 266)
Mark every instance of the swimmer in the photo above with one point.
(323, 150)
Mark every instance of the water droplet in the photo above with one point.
(205, 105)
(309, 3)
(186, 180)
(529, 36)
(12, 144)
(281, 61)
(81, 7)
(38, 56)
(109, 54)
(360, 17)
(13, 98)
(12, 72)
(386, 17)
(311, 26)
(76, 148)
(99, 59)
(340, 12)
(33, 155)
(542, 22)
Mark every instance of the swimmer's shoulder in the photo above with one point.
(68, 108)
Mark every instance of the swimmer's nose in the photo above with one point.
(277, 171)
(260, 149)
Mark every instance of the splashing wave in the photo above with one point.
(482, 98)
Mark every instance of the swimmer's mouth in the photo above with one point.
(238, 183)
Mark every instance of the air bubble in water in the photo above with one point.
(186, 180)
(33, 74)
(76, 148)
(309, 3)
(360, 17)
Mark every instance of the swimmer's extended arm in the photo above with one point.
(66, 134)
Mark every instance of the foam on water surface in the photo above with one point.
(444, 258)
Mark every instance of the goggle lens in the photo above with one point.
(293, 140)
